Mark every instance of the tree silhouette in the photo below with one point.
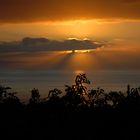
(97, 97)
(54, 94)
(135, 92)
(35, 96)
(11, 99)
(3, 92)
(128, 90)
(75, 93)
(72, 98)
(116, 97)
(80, 80)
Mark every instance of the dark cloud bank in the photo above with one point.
(12, 11)
(44, 44)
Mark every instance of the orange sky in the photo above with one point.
(57, 10)
(115, 21)
(96, 29)
(61, 19)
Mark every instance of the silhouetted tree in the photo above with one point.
(134, 92)
(80, 80)
(97, 97)
(35, 96)
(54, 94)
(3, 92)
(128, 90)
(72, 98)
(116, 97)
(75, 93)
(12, 99)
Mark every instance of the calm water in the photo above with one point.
(23, 81)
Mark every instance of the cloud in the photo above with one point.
(12, 11)
(25, 54)
(44, 44)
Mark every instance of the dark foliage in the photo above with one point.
(77, 114)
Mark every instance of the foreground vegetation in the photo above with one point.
(77, 113)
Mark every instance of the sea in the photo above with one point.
(23, 81)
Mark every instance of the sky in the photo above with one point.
(111, 27)
(12, 11)
(69, 18)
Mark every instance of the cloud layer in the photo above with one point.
(12, 11)
(43, 44)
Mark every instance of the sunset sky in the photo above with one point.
(115, 23)
(69, 18)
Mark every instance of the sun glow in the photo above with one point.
(76, 72)
(75, 28)
(80, 51)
